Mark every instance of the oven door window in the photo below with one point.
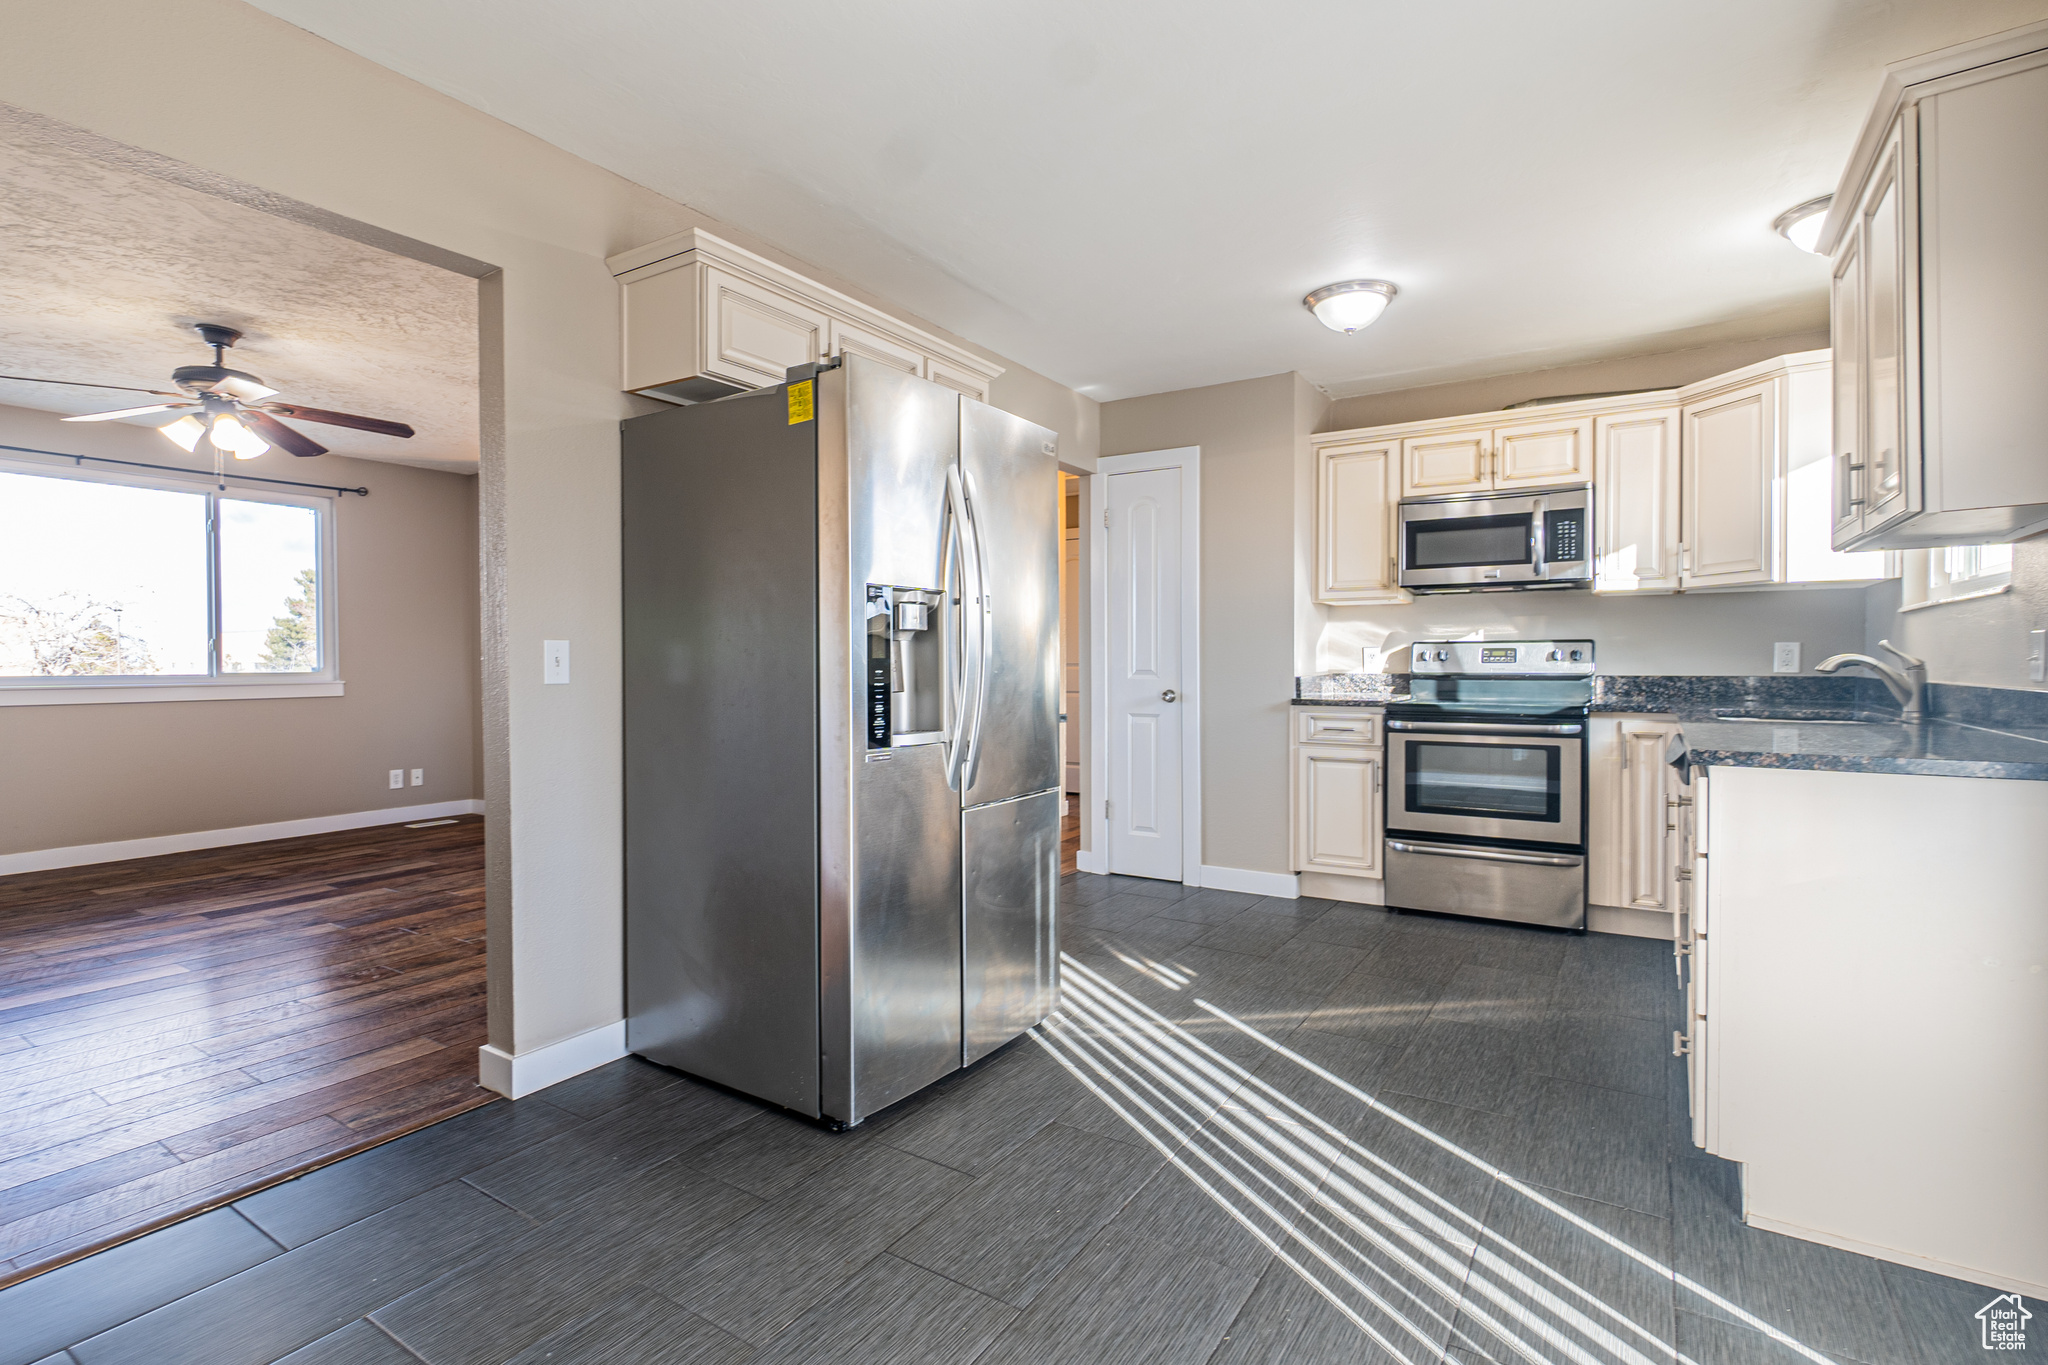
(1469, 542)
(1484, 781)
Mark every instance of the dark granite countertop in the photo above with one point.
(1935, 748)
(1345, 701)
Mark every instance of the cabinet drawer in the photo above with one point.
(1339, 727)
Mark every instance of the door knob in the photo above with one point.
(1169, 695)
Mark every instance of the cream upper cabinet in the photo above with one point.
(961, 380)
(1539, 453)
(846, 339)
(1940, 303)
(704, 318)
(1532, 454)
(753, 334)
(1355, 557)
(1446, 462)
(1731, 465)
(1636, 501)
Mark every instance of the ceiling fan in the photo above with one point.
(232, 411)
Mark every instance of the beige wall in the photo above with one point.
(408, 596)
(353, 139)
(1982, 642)
(1250, 447)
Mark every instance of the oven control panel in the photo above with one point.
(1505, 658)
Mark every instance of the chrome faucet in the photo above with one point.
(1908, 685)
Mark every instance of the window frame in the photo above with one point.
(1927, 584)
(215, 684)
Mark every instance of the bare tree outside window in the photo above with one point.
(67, 636)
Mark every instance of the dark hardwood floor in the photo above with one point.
(1070, 834)
(177, 1032)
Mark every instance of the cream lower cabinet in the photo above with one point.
(1339, 764)
(1634, 840)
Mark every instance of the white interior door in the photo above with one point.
(1144, 673)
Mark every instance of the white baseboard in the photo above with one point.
(1084, 861)
(1331, 886)
(81, 855)
(1285, 885)
(517, 1077)
(1622, 919)
(1970, 1273)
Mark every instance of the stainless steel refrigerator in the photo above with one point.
(842, 785)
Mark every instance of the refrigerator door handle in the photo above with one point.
(954, 594)
(982, 645)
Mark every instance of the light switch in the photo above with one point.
(1785, 657)
(556, 668)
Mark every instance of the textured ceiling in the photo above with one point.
(104, 269)
(1133, 197)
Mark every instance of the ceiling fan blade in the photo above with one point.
(278, 434)
(127, 412)
(339, 419)
(78, 384)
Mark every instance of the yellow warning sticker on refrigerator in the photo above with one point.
(800, 402)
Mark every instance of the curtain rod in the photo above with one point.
(179, 469)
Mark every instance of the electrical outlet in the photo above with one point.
(556, 667)
(419, 777)
(1785, 656)
(2037, 655)
(397, 778)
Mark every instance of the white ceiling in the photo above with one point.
(103, 269)
(1133, 197)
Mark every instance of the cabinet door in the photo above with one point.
(1646, 860)
(1337, 796)
(752, 334)
(957, 379)
(845, 339)
(1354, 524)
(1535, 454)
(1891, 477)
(1635, 502)
(1845, 322)
(1454, 462)
(1731, 464)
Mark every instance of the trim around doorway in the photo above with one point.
(1188, 459)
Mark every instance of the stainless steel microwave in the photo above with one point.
(1489, 542)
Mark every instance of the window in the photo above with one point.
(112, 582)
(1954, 573)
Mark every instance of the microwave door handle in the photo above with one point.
(1539, 551)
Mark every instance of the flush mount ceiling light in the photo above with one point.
(1801, 224)
(1350, 306)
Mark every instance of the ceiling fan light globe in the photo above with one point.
(230, 435)
(186, 431)
(1350, 306)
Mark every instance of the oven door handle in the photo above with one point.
(1486, 855)
(1484, 727)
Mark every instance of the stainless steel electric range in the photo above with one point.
(1486, 781)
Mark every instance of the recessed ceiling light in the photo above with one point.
(1351, 305)
(1801, 224)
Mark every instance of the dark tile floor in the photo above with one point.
(1259, 1131)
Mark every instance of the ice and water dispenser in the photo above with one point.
(906, 670)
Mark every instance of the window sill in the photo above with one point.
(1959, 597)
(63, 695)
